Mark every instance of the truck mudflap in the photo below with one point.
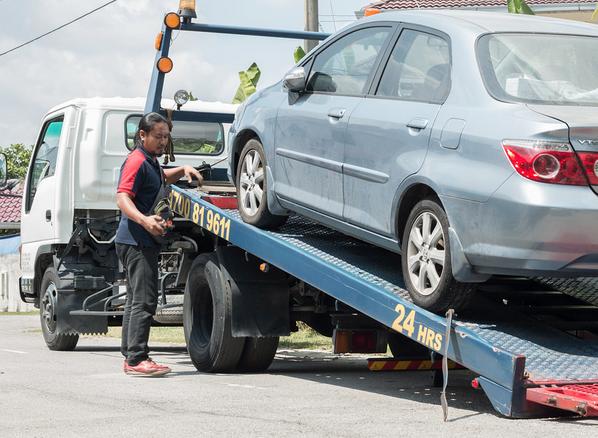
(67, 319)
(260, 294)
(74, 291)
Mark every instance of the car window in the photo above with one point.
(193, 138)
(45, 158)
(529, 68)
(345, 66)
(418, 68)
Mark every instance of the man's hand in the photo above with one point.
(191, 172)
(154, 225)
(173, 175)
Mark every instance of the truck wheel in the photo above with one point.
(252, 188)
(207, 318)
(48, 311)
(258, 354)
(426, 261)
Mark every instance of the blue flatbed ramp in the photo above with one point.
(510, 351)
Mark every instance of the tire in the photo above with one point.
(404, 348)
(433, 286)
(207, 318)
(252, 188)
(171, 315)
(48, 311)
(258, 354)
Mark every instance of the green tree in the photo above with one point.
(17, 158)
(519, 7)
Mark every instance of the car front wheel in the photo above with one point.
(252, 187)
(426, 261)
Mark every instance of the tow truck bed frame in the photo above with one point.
(512, 352)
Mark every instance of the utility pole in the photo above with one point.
(312, 22)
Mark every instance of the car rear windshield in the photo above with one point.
(551, 69)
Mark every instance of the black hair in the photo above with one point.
(147, 123)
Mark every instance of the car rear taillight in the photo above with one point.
(590, 164)
(545, 161)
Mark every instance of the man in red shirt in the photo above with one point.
(141, 179)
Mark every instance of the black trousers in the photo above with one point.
(141, 266)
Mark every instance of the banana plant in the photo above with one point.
(249, 79)
(519, 7)
(298, 54)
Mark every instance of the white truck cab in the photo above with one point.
(75, 168)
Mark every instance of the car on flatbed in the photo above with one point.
(467, 141)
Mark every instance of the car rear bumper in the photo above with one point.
(529, 228)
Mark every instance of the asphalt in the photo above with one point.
(309, 394)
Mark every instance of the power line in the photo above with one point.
(58, 28)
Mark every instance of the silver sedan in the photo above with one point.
(466, 141)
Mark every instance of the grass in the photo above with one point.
(305, 338)
(170, 335)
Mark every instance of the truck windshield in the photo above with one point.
(548, 69)
(192, 138)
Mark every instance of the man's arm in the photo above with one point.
(153, 224)
(175, 174)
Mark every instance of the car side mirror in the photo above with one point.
(294, 81)
(3, 170)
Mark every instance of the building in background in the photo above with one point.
(572, 10)
(10, 240)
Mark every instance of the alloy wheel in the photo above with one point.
(426, 253)
(251, 183)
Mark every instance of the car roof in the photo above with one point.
(478, 22)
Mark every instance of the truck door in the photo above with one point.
(37, 221)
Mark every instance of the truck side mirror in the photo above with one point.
(3, 170)
(294, 81)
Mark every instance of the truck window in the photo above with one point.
(45, 157)
(189, 138)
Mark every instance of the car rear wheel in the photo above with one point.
(426, 261)
(252, 188)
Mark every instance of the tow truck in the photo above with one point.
(531, 342)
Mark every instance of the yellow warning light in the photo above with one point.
(158, 41)
(187, 9)
(172, 20)
(264, 267)
(371, 11)
(165, 65)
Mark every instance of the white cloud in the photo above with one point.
(110, 53)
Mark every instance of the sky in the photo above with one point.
(110, 53)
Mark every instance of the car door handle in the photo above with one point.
(48, 215)
(337, 113)
(418, 124)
